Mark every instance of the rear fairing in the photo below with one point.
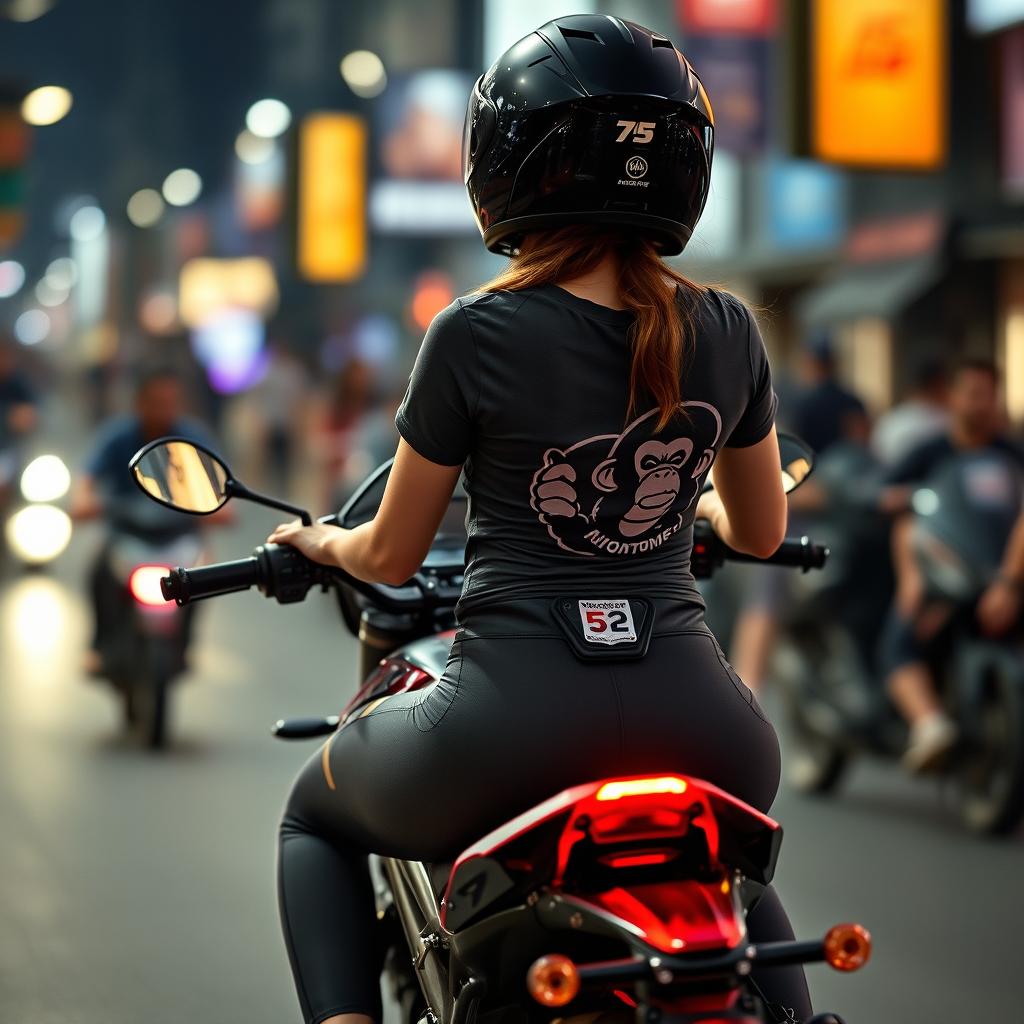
(413, 667)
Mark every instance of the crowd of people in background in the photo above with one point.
(313, 435)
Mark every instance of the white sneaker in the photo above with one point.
(931, 739)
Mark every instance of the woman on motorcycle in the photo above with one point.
(585, 394)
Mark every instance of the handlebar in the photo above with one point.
(281, 572)
(709, 553)
(797, 552)
(185, 585)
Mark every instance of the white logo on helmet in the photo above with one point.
(636, 166)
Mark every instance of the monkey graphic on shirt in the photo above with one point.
(625, 494)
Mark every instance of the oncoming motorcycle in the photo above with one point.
(624, 897)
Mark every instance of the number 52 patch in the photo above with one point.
(607, 622)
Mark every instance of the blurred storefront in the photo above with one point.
(868, 177)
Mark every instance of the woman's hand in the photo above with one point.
(710, 507)
(316, 542)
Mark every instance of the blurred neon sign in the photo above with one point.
(879, 73)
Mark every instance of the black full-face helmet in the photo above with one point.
(589, 120)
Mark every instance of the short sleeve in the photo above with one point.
(759, 416)
(436, 416)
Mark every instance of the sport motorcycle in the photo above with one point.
(624, 898)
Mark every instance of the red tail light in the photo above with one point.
(144, 584)
(646, 786)
(678, 917)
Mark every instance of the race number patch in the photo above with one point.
(607, 622)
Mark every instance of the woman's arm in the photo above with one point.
(392, 546)
(747, 508)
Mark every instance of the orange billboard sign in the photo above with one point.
(332, 197)
(879, 82)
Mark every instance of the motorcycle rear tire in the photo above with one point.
(992, 770)
(150, 696)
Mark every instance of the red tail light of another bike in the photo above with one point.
(144, 584)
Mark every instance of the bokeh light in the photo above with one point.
(268, 118)
(38, 534)
(47, 294)
(145, 208)
(87, 223)
(46, 105)
(433, 291)
(12, 277)
(364, 73)
(253, 149)
(45, 478)
(182, 187)
(32, 327)
(158, 313)
(27, 10)
(62, 273)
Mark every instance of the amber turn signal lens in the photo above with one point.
(553, 980)
(847, 947)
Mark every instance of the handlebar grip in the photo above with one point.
(185, 585)
(801, 553)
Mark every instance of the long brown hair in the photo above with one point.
(662, 333)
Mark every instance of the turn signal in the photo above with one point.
(553, 980)
(847, 947)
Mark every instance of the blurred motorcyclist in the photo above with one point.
(18, 415)
(976, 425)
(106, 480)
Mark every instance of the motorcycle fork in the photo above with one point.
(419, 914)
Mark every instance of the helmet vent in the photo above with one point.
(539, 60)
(579, 33)
(661, 41)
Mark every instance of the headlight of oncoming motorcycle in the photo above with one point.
(38, 534)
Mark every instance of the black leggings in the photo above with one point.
(515, 718)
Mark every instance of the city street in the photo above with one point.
(141, 887)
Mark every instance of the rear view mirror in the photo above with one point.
(182, 475)
(189, 478)
(797, 459)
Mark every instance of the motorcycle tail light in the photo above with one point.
(847, 947)
(144, 584)
(641, 787)
(553, 980)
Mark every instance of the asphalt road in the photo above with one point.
(136, 887)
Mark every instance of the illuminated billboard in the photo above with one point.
(879, 82)
(331, 216)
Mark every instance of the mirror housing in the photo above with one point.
(182, 475)
(186, 476)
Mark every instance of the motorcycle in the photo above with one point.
(623, 897)
(143, 639)
(828, 664)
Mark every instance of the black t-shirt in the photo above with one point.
(567, 493)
